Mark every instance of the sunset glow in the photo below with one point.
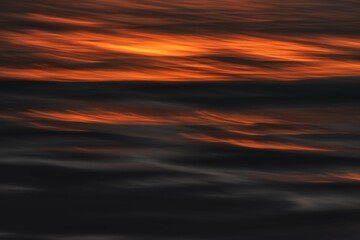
(180, 120)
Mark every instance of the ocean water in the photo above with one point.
(181, 120)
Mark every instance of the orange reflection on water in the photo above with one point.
(62, 20)
(192, 117)
(55, 128)
(272, 131)
(328, 177)
(347, 176)
(253, 143)
(170, 57)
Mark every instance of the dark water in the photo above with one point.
(198, 120)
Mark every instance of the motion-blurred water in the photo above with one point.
(179, 120)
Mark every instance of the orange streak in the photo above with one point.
(55, 128)
(47, 18)
(307, 178)
(252, 143)
(347, 176)
(167, 57)
(107, 117)
(57, 74)
(262, 132)
(296, 178)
